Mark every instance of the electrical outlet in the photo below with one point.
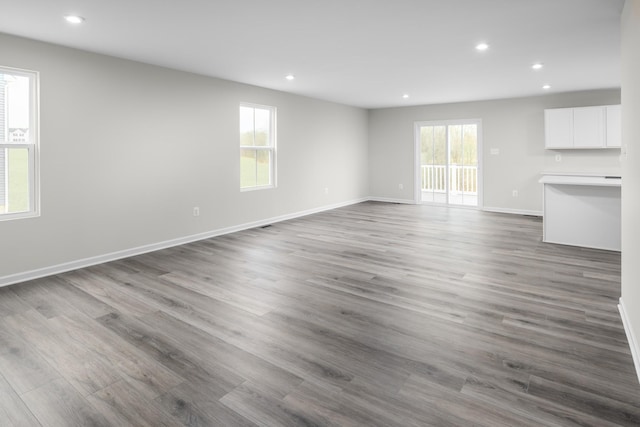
(196, 211)
(401, 186)
(514, 193)
(495, 151)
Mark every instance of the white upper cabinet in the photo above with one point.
(558, 128)
(583, 127)
(614, 126)
(588, 127)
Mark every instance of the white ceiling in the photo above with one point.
(365, 53)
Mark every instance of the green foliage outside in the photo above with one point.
(18, 195)
(255, 131)
(259, 139)
(254, 164)
(462, 140)
(253, 173)
(463, 151)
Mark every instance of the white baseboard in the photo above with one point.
(113, 256)
(487, 209)
(631, 337)
(87, 262)
(388, 200)
(512, 211)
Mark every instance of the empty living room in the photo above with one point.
(336, 213)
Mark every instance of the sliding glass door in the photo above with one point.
(447, 162)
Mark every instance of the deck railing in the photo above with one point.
(462, 179)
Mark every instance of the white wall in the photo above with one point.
(514, 126)
(630, 300)
(127, 151)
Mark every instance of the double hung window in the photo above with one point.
(257, 146)
(18, 143)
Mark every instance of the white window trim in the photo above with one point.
(272, 148)
(32, 145)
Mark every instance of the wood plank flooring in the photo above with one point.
(370, 315)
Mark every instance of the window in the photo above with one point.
(18, 143)
(257, 146)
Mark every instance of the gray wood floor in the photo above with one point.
(375, 314)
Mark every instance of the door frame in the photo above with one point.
(417, 194)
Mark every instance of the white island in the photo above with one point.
(582, 210)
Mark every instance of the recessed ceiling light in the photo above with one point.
(74, 19)
(537, 66)
(546, 87)
(482, 46)
(405, 96)
(290, 77)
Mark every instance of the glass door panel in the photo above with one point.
(455, 164)
(433, 163)
(449, 163)
(470, 165)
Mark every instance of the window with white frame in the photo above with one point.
(18, 143)
(257, 146)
